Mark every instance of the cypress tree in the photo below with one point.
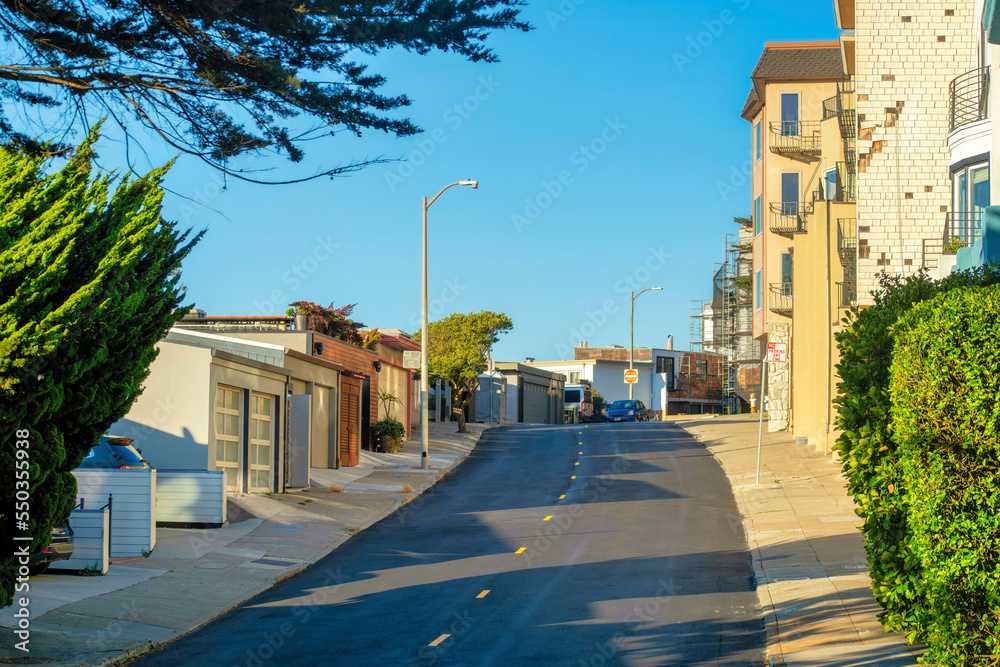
(89, 275)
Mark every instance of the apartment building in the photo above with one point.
(921, 71)
(792, 120)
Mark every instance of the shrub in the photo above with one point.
(867, 447)
(945, 392)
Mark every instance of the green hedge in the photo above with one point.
(945, 393)
(869, 451)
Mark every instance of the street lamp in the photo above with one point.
(631, 332)
(424, 379)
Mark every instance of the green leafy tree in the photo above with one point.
(222, 78)
(599, 405)
(88, 285)
(457, 350)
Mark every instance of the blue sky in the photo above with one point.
(609, 149)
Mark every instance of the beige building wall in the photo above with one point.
(907, 53)
(784, 387)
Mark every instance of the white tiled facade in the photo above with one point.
(907, 55)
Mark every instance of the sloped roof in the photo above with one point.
(790, 61)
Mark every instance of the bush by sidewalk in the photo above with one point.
(946, 418)
(869, 450)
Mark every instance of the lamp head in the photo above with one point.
(473, 184)
(655, 288)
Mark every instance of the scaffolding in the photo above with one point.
(732, 320)
(697, 331)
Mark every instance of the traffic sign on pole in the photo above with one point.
(631, 376)
(777, 353)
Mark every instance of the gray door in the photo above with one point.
(301, 435)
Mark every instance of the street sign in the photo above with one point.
(777, 353)
(411, 359)
(631, 376)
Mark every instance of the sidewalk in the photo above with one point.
(192, 576)
(808, 555)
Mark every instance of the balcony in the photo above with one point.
(968, 98)
(780, 300)
(787, 218)
(961, 230)
(846, 112)
(847, 294)
(796, 137)
(830, 107)
(847, 240)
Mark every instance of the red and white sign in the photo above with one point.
(631, 376)
(777, 353)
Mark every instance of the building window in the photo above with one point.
(227, 435)
(756, 215)
(758, 285)
(790, 115)
(665, 365)
(786, 274)
(756, 140)
(574, 377)
(701, 369)
(831, 184)
(789, 193)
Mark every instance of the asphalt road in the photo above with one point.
(530, 553)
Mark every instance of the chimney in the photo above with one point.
(670, 342)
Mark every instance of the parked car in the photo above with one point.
(61, 548)
(627, 410)
(115, 452)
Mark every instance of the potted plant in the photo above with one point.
(388, 434)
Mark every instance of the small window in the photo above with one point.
(756, 140)
(756, 215)
(701, 369)
(831, 185)
(760, 296)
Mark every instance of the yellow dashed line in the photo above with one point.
(573, 477)
(546, 518)
(521, 550)
(581, 453)
(562, 496)
(439, 640)
(483, 594)
(577, 463)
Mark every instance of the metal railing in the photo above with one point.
(961, 229)
(968, 97)
(846, 110)
(830, 107)
(847, 240)
(787, 217)
(847, 294)
(780, 301)
(795, 136)
(846, 184)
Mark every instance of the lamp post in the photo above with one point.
(631, 332)
(424, 379)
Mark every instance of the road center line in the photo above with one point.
(547, 518)
(439, 640)
(483, 594)
(562, 496)
(521, 550)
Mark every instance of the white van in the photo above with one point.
(581, 397)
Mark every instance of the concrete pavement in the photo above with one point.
(193, 576)
(808, 554)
